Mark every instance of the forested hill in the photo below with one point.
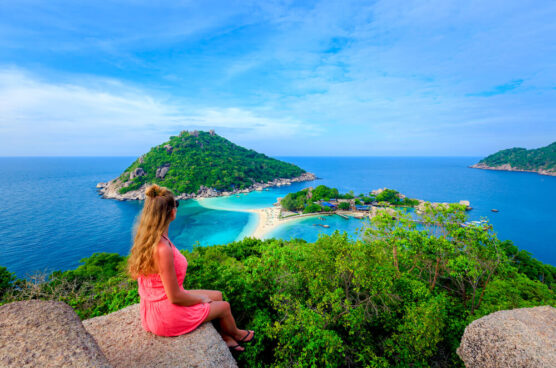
(194, 159)
(540, 160)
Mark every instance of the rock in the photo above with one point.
(211, 132)
(162, 171)
(136, 173)
(207, 192)
(169, 148)
(523, 337)
(142, 159)
(126, 344)
(38, 333)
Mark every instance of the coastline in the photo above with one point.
(268, 219)
(508, 167)
(110, 189)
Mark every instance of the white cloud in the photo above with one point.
(106, 117)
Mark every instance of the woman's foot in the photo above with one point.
(232, 344)
(245, 336)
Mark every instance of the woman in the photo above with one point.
(166, 308)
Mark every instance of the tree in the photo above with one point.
(344, 206)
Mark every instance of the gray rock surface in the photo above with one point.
(37, 333)
(162, 171)
(169, 148)
(523, 337)
(126, 344)
(136, 173)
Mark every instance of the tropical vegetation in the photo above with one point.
(198, 158)
(398, 296)
(543, 158)
(309, 200)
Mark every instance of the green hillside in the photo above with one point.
(204, 158)
(520, 158)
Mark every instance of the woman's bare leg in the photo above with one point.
(222, 311)
(216, 296)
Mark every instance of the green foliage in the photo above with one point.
(400, 296)
(529, 266)
(296, 201)
(324, 192)
(344, 206)
(6, 280)
(311, 208)
(520, 158)
(389, 195)
(208, 160)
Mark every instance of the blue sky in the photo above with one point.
(379, 78)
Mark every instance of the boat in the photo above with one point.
(494, 210)
(475, 223)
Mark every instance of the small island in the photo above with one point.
(324, 201)
(541, 160)
(201, 164)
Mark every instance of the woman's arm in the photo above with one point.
(165, 261)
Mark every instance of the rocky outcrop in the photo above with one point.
(169, 148)
(126, 344)
(37, 333)
(136, 173)
(523, 337)
(162, 171)
(508, 167)
(111, 189)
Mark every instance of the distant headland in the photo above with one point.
(541, 160)
(201, 164)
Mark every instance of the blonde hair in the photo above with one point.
(155, 218)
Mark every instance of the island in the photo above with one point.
(324, 201)
(541, 160)
(200, 164)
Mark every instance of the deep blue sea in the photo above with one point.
(51, 215)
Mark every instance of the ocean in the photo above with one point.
(51, 215)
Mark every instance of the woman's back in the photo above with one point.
(158, 314)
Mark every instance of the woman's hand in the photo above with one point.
(206, 299)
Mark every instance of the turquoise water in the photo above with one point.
(51, 215)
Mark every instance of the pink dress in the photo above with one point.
(158, 314)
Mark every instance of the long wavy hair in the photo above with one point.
(155, 218)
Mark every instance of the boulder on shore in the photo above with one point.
(523, 337)
(126, 344)
(38, 333)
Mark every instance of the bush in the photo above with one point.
(344, 206)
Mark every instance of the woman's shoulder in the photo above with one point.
(164, 248)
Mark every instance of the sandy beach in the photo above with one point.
(268, 218)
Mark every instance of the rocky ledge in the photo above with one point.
(38, 333)
(125, 344)
(508, 167)
(111, 189)
(523, 337)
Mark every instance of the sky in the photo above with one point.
(286, 78)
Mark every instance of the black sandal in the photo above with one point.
(247, 335)
(234, 348)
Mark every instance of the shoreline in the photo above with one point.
(508, 167)
(268, 218)
(110, 189)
